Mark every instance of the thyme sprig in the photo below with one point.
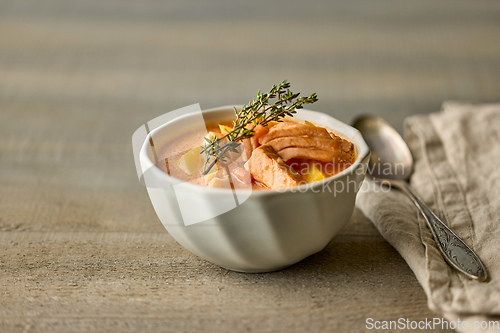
(274, 105)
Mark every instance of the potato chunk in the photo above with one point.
(313, 173)
(192, 161)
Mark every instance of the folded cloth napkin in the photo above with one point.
(457, 173)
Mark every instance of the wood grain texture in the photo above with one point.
(80, 246)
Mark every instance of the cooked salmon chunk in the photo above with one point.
(305, 142)
(309, 153)
(286, 129)
(247, 146)
(347, 148)
(252, 143)
(268, 168)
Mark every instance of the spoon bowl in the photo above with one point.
(390, 156)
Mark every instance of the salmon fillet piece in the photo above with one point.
(252, 143)
(320, 149)
(296, 140)
(247, 146)
(268, 168)
(286, 129)
(305, 142)
(309, 153)
(344, 144)
(258, 132)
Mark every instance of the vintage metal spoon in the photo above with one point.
(391, 161)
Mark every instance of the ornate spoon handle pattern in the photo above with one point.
(458, 254)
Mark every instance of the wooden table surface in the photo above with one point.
(81, 248)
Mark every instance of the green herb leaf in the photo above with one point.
(260, 111)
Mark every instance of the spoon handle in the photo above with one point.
(458, 254)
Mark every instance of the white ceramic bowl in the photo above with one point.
(269, 230)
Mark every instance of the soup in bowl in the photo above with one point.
(281, 196)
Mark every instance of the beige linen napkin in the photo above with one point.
(457, 173)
